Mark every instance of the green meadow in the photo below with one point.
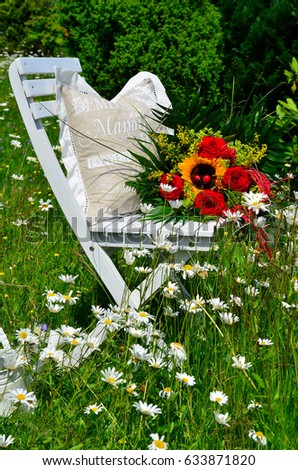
(209, 362)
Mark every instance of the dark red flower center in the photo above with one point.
(203, 176)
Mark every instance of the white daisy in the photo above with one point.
(157, 442)
(258, 437)
(253, 405)
(140, 317)
(143, 270)
(131, 390)
(92, 342)
(95, 408)
(171, 290)
(222, 418)
(20, 222)
(264, 342)
(68, 298)
(147, 410)
(166, 392)
(75, 340)
(175, 204)
(25, 335)
(51, 296)
(231, 216)
(186, 379)
(217, 304)
(128, 257)
(239, 363)
(240, 280)
(54, 308)
(228, 318)
(6, 441)
(111, 320)
(177, 351)
(44, 206)
(251, 290)
(32, 159)
(23, 397)
(16, 143)
(146, 208)
(136, 332)
(67, 331)
(236, 300)
(138, 353)
(52, 355)
(161, 243)
(97, 310)
(158, 361)
(167, 188)
(68, 278)
(219, 397)
(187, 271)
(112, 376)
(255, 202)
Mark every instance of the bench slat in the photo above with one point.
(39, 87)
(44, 109)
(45, 65)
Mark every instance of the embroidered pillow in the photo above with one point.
(97, 135)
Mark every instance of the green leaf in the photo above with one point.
(259, 380)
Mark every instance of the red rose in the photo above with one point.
(215, 147)
(176, 182)
(237, 178)
(210, 202)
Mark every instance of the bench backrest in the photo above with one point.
(32, 79)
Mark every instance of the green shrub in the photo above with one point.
(180, 41)
(260, 40)
(29, 26)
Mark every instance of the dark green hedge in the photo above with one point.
(179, 40)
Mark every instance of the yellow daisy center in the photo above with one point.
(143, 314)
(23, 335)
(108, 321)
(67, 297)
(159, 444)
(185, 380)
(74, 342)
(111, 380)
(167, 389)
(178, 345)
(218, 399)
(187, 267)
(260, 435)
(21, 396)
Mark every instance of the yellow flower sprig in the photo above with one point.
(248, 155)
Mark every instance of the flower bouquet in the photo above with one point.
(201, 173)
(195, 174)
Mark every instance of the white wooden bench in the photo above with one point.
(32, 96)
